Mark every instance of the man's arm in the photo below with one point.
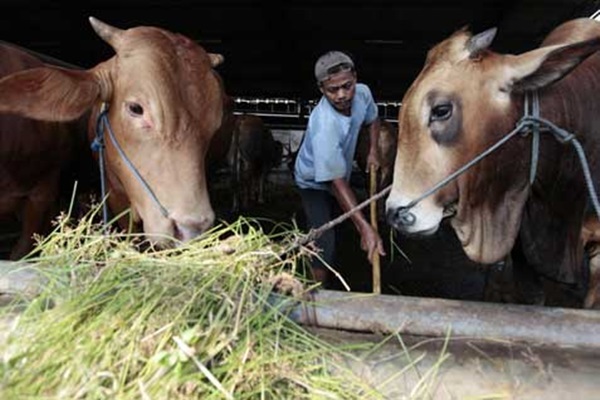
(370, 240)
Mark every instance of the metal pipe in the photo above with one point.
(20, 279)
(544, 326)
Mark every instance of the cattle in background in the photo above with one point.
(465, 99)
(255, 152)
(164, 104)
(218, 155)
(590, 236)
(386, 146)
(34, 155)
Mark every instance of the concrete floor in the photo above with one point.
(468, 369)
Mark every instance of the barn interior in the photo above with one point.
(269, 52)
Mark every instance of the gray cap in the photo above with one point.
(330, 60)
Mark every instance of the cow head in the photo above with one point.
(164, 103)
(464, 100)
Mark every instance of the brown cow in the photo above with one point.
(254, 153)
(465, 99)
(590, 236)
(387, 144)
(33, 156)
(221, 142)
(164, 104)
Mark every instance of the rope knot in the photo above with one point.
(97, 144)
(527, 125)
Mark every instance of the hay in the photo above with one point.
(192, 322)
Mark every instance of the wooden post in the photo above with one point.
(374, 224)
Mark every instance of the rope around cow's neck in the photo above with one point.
(530, 119)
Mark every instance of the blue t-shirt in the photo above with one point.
(327, 151)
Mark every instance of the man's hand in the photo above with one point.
(373, 159)
(370, 241)
(369, 238)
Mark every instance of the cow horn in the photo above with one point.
(480, 42)
(216, 59)
(107, 32)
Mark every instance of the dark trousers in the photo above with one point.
(319, 207)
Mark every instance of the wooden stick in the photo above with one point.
(374, 224)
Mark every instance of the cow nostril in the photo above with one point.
(401, 217)
(406, 217)
(186, 231)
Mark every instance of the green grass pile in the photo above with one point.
(192, 322)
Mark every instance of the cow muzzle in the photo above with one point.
(187, 229)
(421, 220)
(400, 217)
(173, 231)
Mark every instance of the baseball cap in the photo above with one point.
(330, 60)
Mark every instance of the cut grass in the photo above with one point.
(196, 321)
(190, 322)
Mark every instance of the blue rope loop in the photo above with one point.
(98, 142)
(566, 137)
(560, 134)
(102, 125)
(98, 146)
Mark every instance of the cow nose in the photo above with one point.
(189, 229)
(400, 217)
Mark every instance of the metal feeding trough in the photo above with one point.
(534, 325)
(373, 313)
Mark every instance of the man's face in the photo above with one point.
(339, 89)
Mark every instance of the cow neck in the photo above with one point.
(102, 125)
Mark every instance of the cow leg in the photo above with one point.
(236, 173)
(500, 282)
(36, 216)
(590, 236)
(261, 187)
(592, 298)
(246, 187)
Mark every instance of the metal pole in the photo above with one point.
(546, 326)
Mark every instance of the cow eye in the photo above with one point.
(441, 112)
(135, 109)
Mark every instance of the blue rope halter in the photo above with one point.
(98, 144)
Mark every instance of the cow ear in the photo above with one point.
(49, 93)
(544, 66)
(480, 42)
(216, 59)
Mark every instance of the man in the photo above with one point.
(324, 162)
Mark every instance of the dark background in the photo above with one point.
(270, 50)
